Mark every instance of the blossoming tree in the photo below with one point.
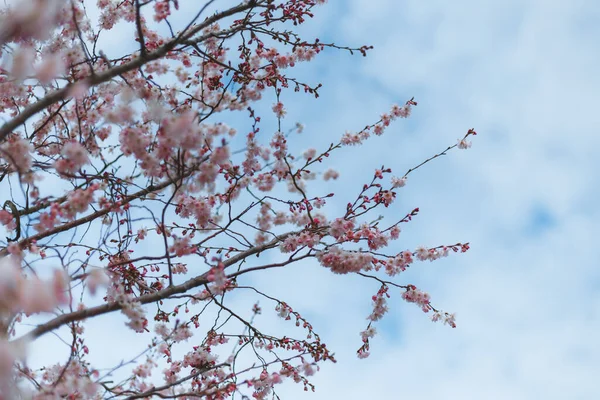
(124, 191)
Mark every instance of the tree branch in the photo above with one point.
(113, 72)
(148, 298)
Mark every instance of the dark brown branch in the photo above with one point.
(92, 217)
(148, 298)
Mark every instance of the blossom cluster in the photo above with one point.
(218, 279)
(342, 261)
(17, 152)
(143, 128)
(449, 319)
(30, 295)
(263, 386)
(7, 219)
(379, 127)
(78, 201)
(305, 238)
(199, 208)
(399, 263)
(420, 298)
(131, 308)
(77, 380)
(379, 304)
(74, 156)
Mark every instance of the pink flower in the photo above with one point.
(182, 333)
(264, 182)
(220, 155)
(279, 110)
(199, 357)
(463, 144)
(309, 369)
(31, 19)
(171, 373)
(290, 244)
(10, 284)
(422, 253)
(379, 308)
(144, 370)
(402, 112)
(74, 156)
(22, 62)
(17, 152)
(449, 319)
(134, 311)
(51, 66)
(310, 153)
(414, 295)
(330, 174)
(9, 352)
(398, 182)
(343, 262)
(182, 247)
(363, 354)
(283, 311)
(320, 202)
(15, 250)
(141, 234)
(79, 89)
(217, 275)
(368, 333)
(350, 139)
(78, 201)
(7, 219)
(161, 10)
(340, 227)
(95, 279)
(30, 294)
(279, 143)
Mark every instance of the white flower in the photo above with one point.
(463, 144)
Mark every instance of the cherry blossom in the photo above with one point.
(153, 178)
(74, 156)
(463, 144)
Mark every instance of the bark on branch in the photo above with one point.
(147, 298)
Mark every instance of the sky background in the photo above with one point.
(524, 74)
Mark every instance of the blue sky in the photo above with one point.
(524, 74)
